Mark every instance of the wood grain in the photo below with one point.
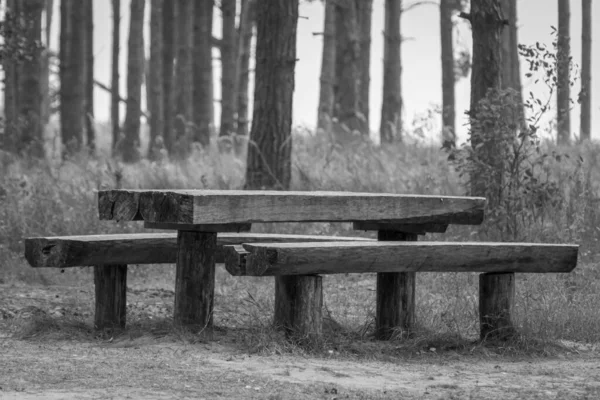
(234, 206)
(298, 306)
(273, 259)
(138, 248)
(110, 284)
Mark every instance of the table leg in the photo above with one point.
(195, 280)
(395, 295)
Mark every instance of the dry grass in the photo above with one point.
(58, 198)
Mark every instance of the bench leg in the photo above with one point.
(195, 280)
(298, 305)
(110, 283)
(496, 300)
(395, 295)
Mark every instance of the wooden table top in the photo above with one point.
(222, 207)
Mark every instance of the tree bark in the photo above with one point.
(46, 56)
(89, 75)
(269, 154)
(511, 69)
(328, 65)
(563, 91)
(156, 100)
(390, 129)
(72, 74)
(203, 73)
(245, 29)
(184, 94)
(228, 68)
(135, 78)
(11, 92)
(364, 10)
(168, 73)
(114, 95)
(487, 23)
(586, 70)
(30, 90)
(448, 77)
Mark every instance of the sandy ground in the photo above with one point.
(149, 368)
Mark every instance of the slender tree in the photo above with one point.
(184, 73)
(244, 43)
(511, 69)
(586, 70)
(89, 74)
(203, 73)
(228, 68)
(448, 76)
(155, 84)
(46, 58)
(135, 78)
(364, 11)
(563, 60)
(114, 95)
(11, 85)
(169, 18)
(328, 66)
(391, 107)
(72, 74)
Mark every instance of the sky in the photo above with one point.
(421, 57)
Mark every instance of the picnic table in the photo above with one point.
(200, 215)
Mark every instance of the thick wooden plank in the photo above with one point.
(138, 248)
(298, 306)
(496, 303)
(395, 310)
(273, 259)
(235, 206)
(110, 283)
(195, 280)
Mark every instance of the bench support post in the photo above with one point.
(195, 280)
(110, 283)
(395, 295)
(496, 300)
(298, 305)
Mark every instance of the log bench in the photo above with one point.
(301, 304)
(110, 255)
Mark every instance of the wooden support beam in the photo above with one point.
(217, 228)
(419, 229)
(496, 304)
(275, 259)
(195, 280)
(298, 306)
(245, 206)
(110, 283)
(139, 248)
(395, 311)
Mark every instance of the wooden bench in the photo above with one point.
(110, 255)
(301, 303)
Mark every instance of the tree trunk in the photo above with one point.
(244, 43)
(46, 55)
(11, 80)
(486, 23)
(448, 77)
(511, 70)
(586, 70)
(72, 74)
(184, 95)
(114, 95)
(154, 83)
(326, 94)
(348, 69)
(269, 155)
(89, 75)
(228, 68)
(563, 54)
(135, 78)
(203, 95)
(364, 10)
(30, 90)
(391, 107)
(168, 72)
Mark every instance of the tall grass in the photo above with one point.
(47, 198)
